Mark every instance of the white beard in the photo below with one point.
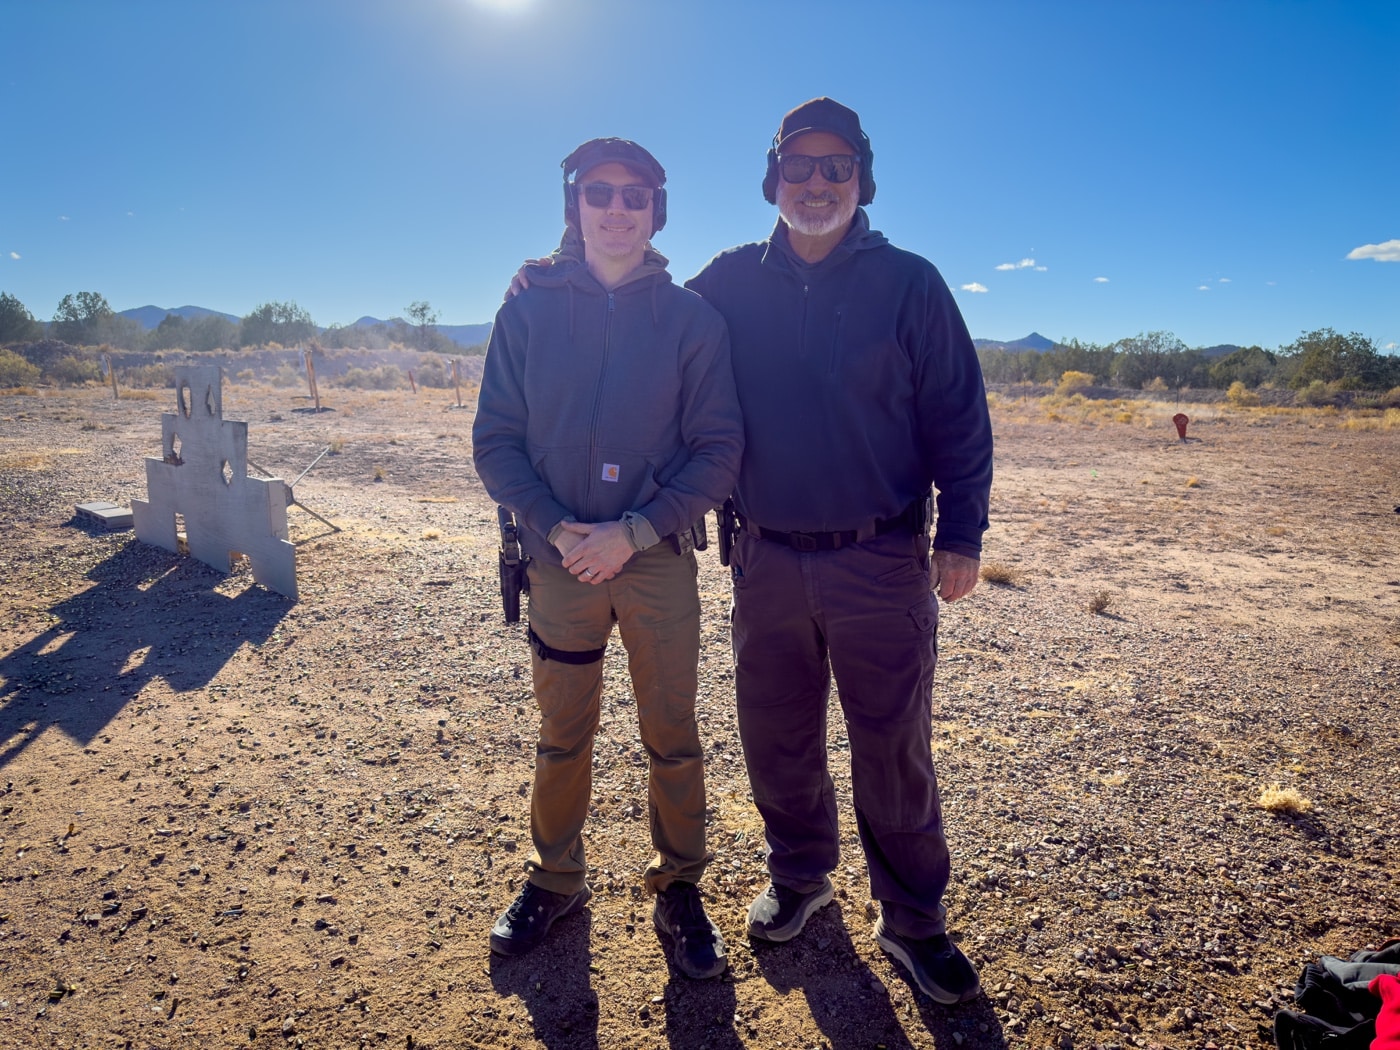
(819, 222)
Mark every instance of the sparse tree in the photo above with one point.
(1252, 366)
(1146, 357)
(1348, 360)
(284, 323)
(82, 319)
(16, 322)
(423, 317)
(172, 332)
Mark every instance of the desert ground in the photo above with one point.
(1165, 732)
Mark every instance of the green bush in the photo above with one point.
(1317, 394)
(1240, 395)
(385, 377)
(73, 371)
(286, 375)
(15, 370)
(146, 377)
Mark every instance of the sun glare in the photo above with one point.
(502, 5)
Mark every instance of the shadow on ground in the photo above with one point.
(148, 615)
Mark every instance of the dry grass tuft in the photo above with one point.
(1100, 602)
(432, 534)
(1002, 575)
(1193, 482)
(1277, 799)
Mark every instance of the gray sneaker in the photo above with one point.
(779, 913)
(938, 967)
(529, 917)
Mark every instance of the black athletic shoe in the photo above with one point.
(697, 948)
(938, 967)
(779, 913)
(525, 923)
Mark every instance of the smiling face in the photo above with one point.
(613, 234)
(817, 208)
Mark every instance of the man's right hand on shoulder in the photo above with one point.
(521, 280)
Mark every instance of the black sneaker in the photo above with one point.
(525, 923)
(697, 947)
(779, 913)
(938, 967)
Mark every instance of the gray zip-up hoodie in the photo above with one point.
(596, 403)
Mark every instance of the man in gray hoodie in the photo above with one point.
(608, 423)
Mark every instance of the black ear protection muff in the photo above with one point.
(624, 151)
(866, 175)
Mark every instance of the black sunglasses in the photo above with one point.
(634, 198)
(796, 167)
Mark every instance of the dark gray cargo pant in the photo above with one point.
(866, 615)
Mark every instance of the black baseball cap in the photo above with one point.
(821, 114)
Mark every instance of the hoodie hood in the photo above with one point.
(569, 266)
(571, 272)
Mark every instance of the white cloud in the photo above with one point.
(1392, 346)
(1024, 264)
(63, 218)
(975, 287)
(1224, 280)
(1100, 280)
(1388, 251)
(1202, 287)
(14, 255)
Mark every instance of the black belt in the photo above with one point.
(913, 518)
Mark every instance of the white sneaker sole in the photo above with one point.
(786, 933)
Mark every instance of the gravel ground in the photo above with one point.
(230, 820)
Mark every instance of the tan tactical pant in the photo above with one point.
(657, 609)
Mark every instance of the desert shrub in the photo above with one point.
(15, 370)
(146, 377)
(385, 377)
(1283, 800)
(1156, 384)
(1072, 381)
(1241, 396)
(1317, 394)
(433, 371)
(286, 375)
(1100, 602)
(1001, 574)
(73, 371)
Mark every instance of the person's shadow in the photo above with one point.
(851, 1005)
(554, 985)
(149, 614)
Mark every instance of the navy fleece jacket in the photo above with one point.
(859, 384)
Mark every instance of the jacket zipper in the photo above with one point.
(595, 463)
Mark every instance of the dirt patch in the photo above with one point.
(229, 820)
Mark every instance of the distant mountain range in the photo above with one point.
(1035, 341)
(149, 317)
(465, 335)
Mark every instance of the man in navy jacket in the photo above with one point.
(861, 392)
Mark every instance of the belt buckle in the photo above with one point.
(801, 541)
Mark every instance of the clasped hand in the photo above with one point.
(594, 552)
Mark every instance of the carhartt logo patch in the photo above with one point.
(611, 471)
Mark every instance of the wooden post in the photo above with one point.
(412, 385)
(457, 379)
(311, 379)
(112, 375)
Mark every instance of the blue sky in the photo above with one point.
(1228, 171)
